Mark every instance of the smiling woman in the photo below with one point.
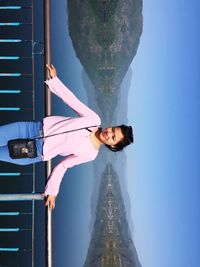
(77, 139)
(120, 136)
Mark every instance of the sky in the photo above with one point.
(163, 164)
(163, 167)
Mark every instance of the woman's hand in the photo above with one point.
(50, 201)
(52, 70)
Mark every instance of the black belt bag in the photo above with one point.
(26, 148)
(22, 148)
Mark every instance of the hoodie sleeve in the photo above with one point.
(58, 88)
(55, 178)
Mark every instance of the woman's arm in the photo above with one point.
(58, 88)
(55, 178)
(51, 201)
(52, 70)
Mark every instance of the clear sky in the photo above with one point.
(163, 165)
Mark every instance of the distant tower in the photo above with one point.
(111, 244)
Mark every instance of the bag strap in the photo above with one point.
(74, 130)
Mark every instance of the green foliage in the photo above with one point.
(104, 9)
(105, 36)
(105, 40)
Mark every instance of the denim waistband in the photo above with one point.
(39, 142)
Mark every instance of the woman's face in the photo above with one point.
(111, 136)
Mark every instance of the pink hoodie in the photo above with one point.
(76, 147)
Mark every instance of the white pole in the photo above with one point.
(47, 5)
(20, 197)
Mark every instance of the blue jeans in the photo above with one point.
(16, 130)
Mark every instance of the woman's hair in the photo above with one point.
(127, 140)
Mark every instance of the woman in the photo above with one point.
(77, 147)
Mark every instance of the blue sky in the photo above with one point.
(163, 164)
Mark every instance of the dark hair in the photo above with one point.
(127, 140)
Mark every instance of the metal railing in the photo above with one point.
(36, 196)
(48, 112)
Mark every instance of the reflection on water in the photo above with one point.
(105, 36)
